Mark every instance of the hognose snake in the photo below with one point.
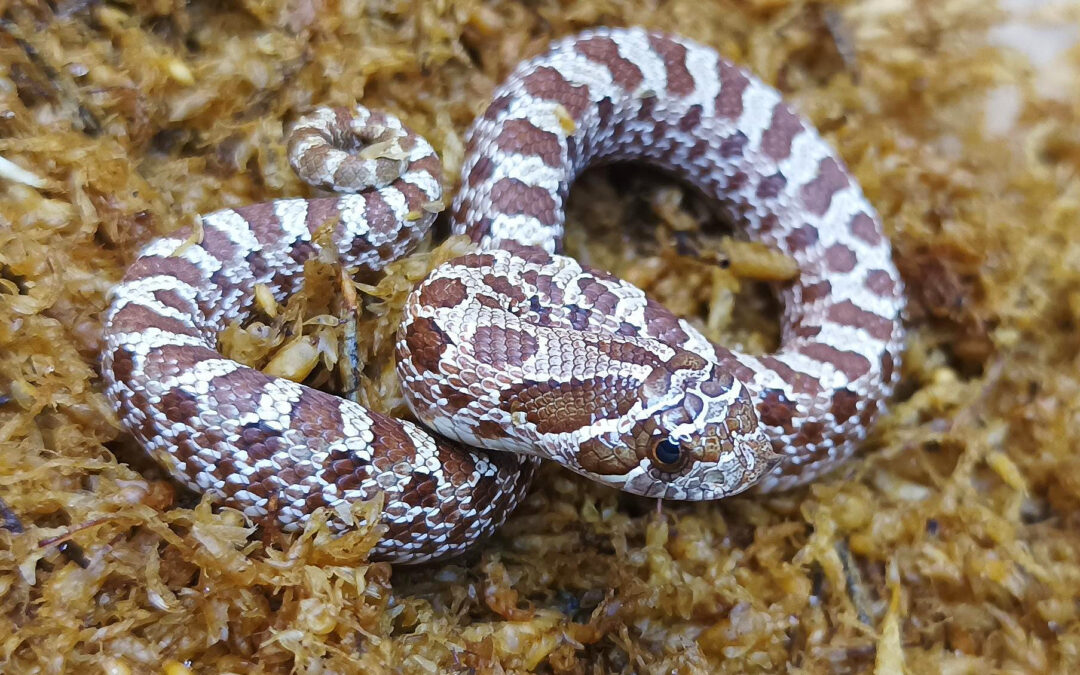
(515, 347)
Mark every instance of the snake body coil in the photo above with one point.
(518, 348)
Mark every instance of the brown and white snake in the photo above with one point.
(516, 348)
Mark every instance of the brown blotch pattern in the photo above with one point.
(380, 217)
(729, 102)
(777, 411)
(545, 284)
(171, 298)
(123, 364)
(771, 186)
(264, 223)
(502, 286)
(598, 295)
(799, 381)
(420, 489)
(426, 343)
(179, 406)
(511, 196)
(844, 405)
(679, 80)
(627, 352)
(684, 360)
(698, 150)
(848, 313)
(185, 271)
(734, 145)
(816, 291)
(818, 193)
(810, 432)
(480, 171)
(430, 164)
(260, 442)
(560, 407)
(171, 360)
(720, 383)
(501, 347)
(851, 364)
(805, 330)
(489, 301)
(864, 227)
(881, 283)
(317, 415)
(548, 84)
(840, 258)
(802, 238)
(530, 254)
(604, 51)
(522, 137)
(496, 108)
(133, 317)
(578, 317)
(776, 140)
(729, 364)
(476, 260)
(232, 391)
(414, 198)
(692, 119)
(217, 244)
(489, 429)
(663, 325)
(443, 292)
(887, 366)
(319, 213)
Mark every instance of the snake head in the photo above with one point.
(699, 436)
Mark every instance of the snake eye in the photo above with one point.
(667, 455)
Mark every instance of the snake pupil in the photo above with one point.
(667, 452)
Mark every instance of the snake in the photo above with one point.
(515, 353)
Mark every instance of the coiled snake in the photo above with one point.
(516, 347)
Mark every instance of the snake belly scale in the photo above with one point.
(516, 352)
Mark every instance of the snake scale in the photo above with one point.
(515, 347)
